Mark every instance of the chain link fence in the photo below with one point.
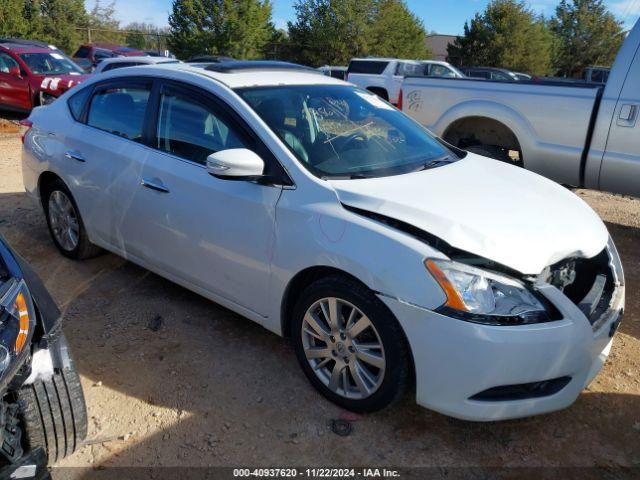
(140, 40)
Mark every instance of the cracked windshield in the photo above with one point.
(343, 132)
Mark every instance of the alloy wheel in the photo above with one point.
(64, 222)
(343, 348)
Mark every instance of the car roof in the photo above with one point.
(436, 62)
(22, 48)
(383, 59)
(250, 77)
(491, 69)
(145, 59)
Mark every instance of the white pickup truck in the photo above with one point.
(581, 135)
(384, 76)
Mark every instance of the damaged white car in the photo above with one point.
(323, 213)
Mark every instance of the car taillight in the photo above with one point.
(400, 100)
(27, 124)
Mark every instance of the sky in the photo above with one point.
(441, 16)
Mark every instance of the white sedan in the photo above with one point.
(123, 62)
(324, 214)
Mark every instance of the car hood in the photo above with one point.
(58, 84)
(488, 208)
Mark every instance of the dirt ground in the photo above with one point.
(209, 388)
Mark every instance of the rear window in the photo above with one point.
(101, 53)
(113, 66)
(371, 67)
(83, 52)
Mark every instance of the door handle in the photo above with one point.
(155, 186)
(627, 116)
(74, 156)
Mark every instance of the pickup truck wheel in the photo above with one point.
(349, 345)
(65, 224)
(54, 414)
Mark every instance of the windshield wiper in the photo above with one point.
(434, 163)
(355, 176)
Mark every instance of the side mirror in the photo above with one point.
(15, 72)
(235, 164)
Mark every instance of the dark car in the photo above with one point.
(32, 74)
(93, 53)
(209, 59)
(490, 73)
(43, 415)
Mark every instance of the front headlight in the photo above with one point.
(17, 320)
(486, 297)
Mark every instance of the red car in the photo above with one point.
(92, 54)
(32, 75)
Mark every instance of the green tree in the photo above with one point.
(57, 22)
(12, 19)
(586, 35)
(237, 28)
(507, 34)
(334, 31)
(330, 31)
(397, 32)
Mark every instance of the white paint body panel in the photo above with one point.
(241, 244)
(452, 203)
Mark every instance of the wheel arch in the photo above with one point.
(296, 286)
(380, 91)
(44, 181)
(312, 274)
(508, 123)
(485, 130)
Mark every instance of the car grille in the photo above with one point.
(593, 284)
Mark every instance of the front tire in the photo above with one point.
(65, 223)
(349, 345)
(54, 414)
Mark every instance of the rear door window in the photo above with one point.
(480, 74)
(120, 109)
(406, 69)
(441, 71)
(503, 77)
(192, 128)
(370, 67)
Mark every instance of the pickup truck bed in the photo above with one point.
(461, 111)
(583, 135)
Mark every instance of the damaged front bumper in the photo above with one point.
(486, 373)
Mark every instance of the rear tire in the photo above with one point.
(54, 414)
(81, 248)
